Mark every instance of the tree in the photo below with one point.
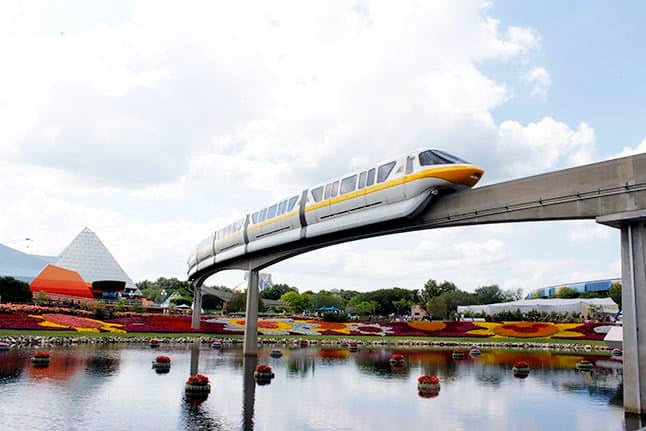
(489, 294)
(432, 289)
(297, 302)
(402, 304)
(436, 307)
(12, 290)
(457, 297)
(365, 307)
(211, 302)
(237, 303)
(615, 293)
(182, 300)
(567, 293)
(159, 290)
(276, 291)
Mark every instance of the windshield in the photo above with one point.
(438, 157)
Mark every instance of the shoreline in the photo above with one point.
(584, 346)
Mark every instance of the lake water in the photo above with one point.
(115, 388)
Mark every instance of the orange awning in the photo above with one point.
(60, 281)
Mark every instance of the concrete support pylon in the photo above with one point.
(632, 225)
(250, 347)
(633, 298)
(197, 303)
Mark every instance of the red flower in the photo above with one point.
(41, 355)
(521, 364)
(198, 380)
(162, 358)
(397, 357)
(263, 369)
(428, 379)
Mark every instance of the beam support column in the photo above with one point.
(197, 303)
(633, 298)
(250, 347)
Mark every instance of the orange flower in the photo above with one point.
(526, 329)
(427, 326)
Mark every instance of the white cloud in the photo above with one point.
(152, 123)
(539, 80)
(629, 151)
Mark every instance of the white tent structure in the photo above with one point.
(576, 305)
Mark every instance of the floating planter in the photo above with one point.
(428, 386)
(397, 359)
(344, 344)
(161, 364)
(40, 359)
(474, 352)
(353, 346)
(154, 342)
(4, 345)
(276, 353)
(584, 365)
(520, 369)
(263, 374)
(217, 344)
(617, 352)
(303, 342)
(458, 354)
(197, 386)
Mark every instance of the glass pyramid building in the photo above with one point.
(87, 255)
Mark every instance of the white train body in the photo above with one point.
(396, 188)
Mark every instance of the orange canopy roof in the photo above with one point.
(61, 281)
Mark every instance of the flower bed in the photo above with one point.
(526, 329)
(16, 317)
(40, 359)
(263, 374)
(520, 369)
(428, 385)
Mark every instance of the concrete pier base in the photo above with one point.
(250, 347)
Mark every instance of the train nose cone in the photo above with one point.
(471, 176)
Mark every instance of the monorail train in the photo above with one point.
(399, 187)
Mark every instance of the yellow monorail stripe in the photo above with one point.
(273, 220)
(452, 174)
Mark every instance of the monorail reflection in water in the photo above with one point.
(99, 387)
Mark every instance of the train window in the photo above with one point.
(263, 214)
(335, 188)
(328, 191)
(282, 207)
(348, 184)
(427, 158)
(254, 218)
(371, 177)
(450, 157)
(409, 164)
(271, 212)
(362, 179)
(384, 170)
(292, 202)
(317, 194)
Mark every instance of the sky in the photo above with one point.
(155, 123)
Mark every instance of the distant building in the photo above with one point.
(85, 269)
(581, 287)
(418, 313)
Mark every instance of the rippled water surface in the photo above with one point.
(115, 388)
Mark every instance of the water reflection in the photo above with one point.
(248, 392)
(314, 388)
